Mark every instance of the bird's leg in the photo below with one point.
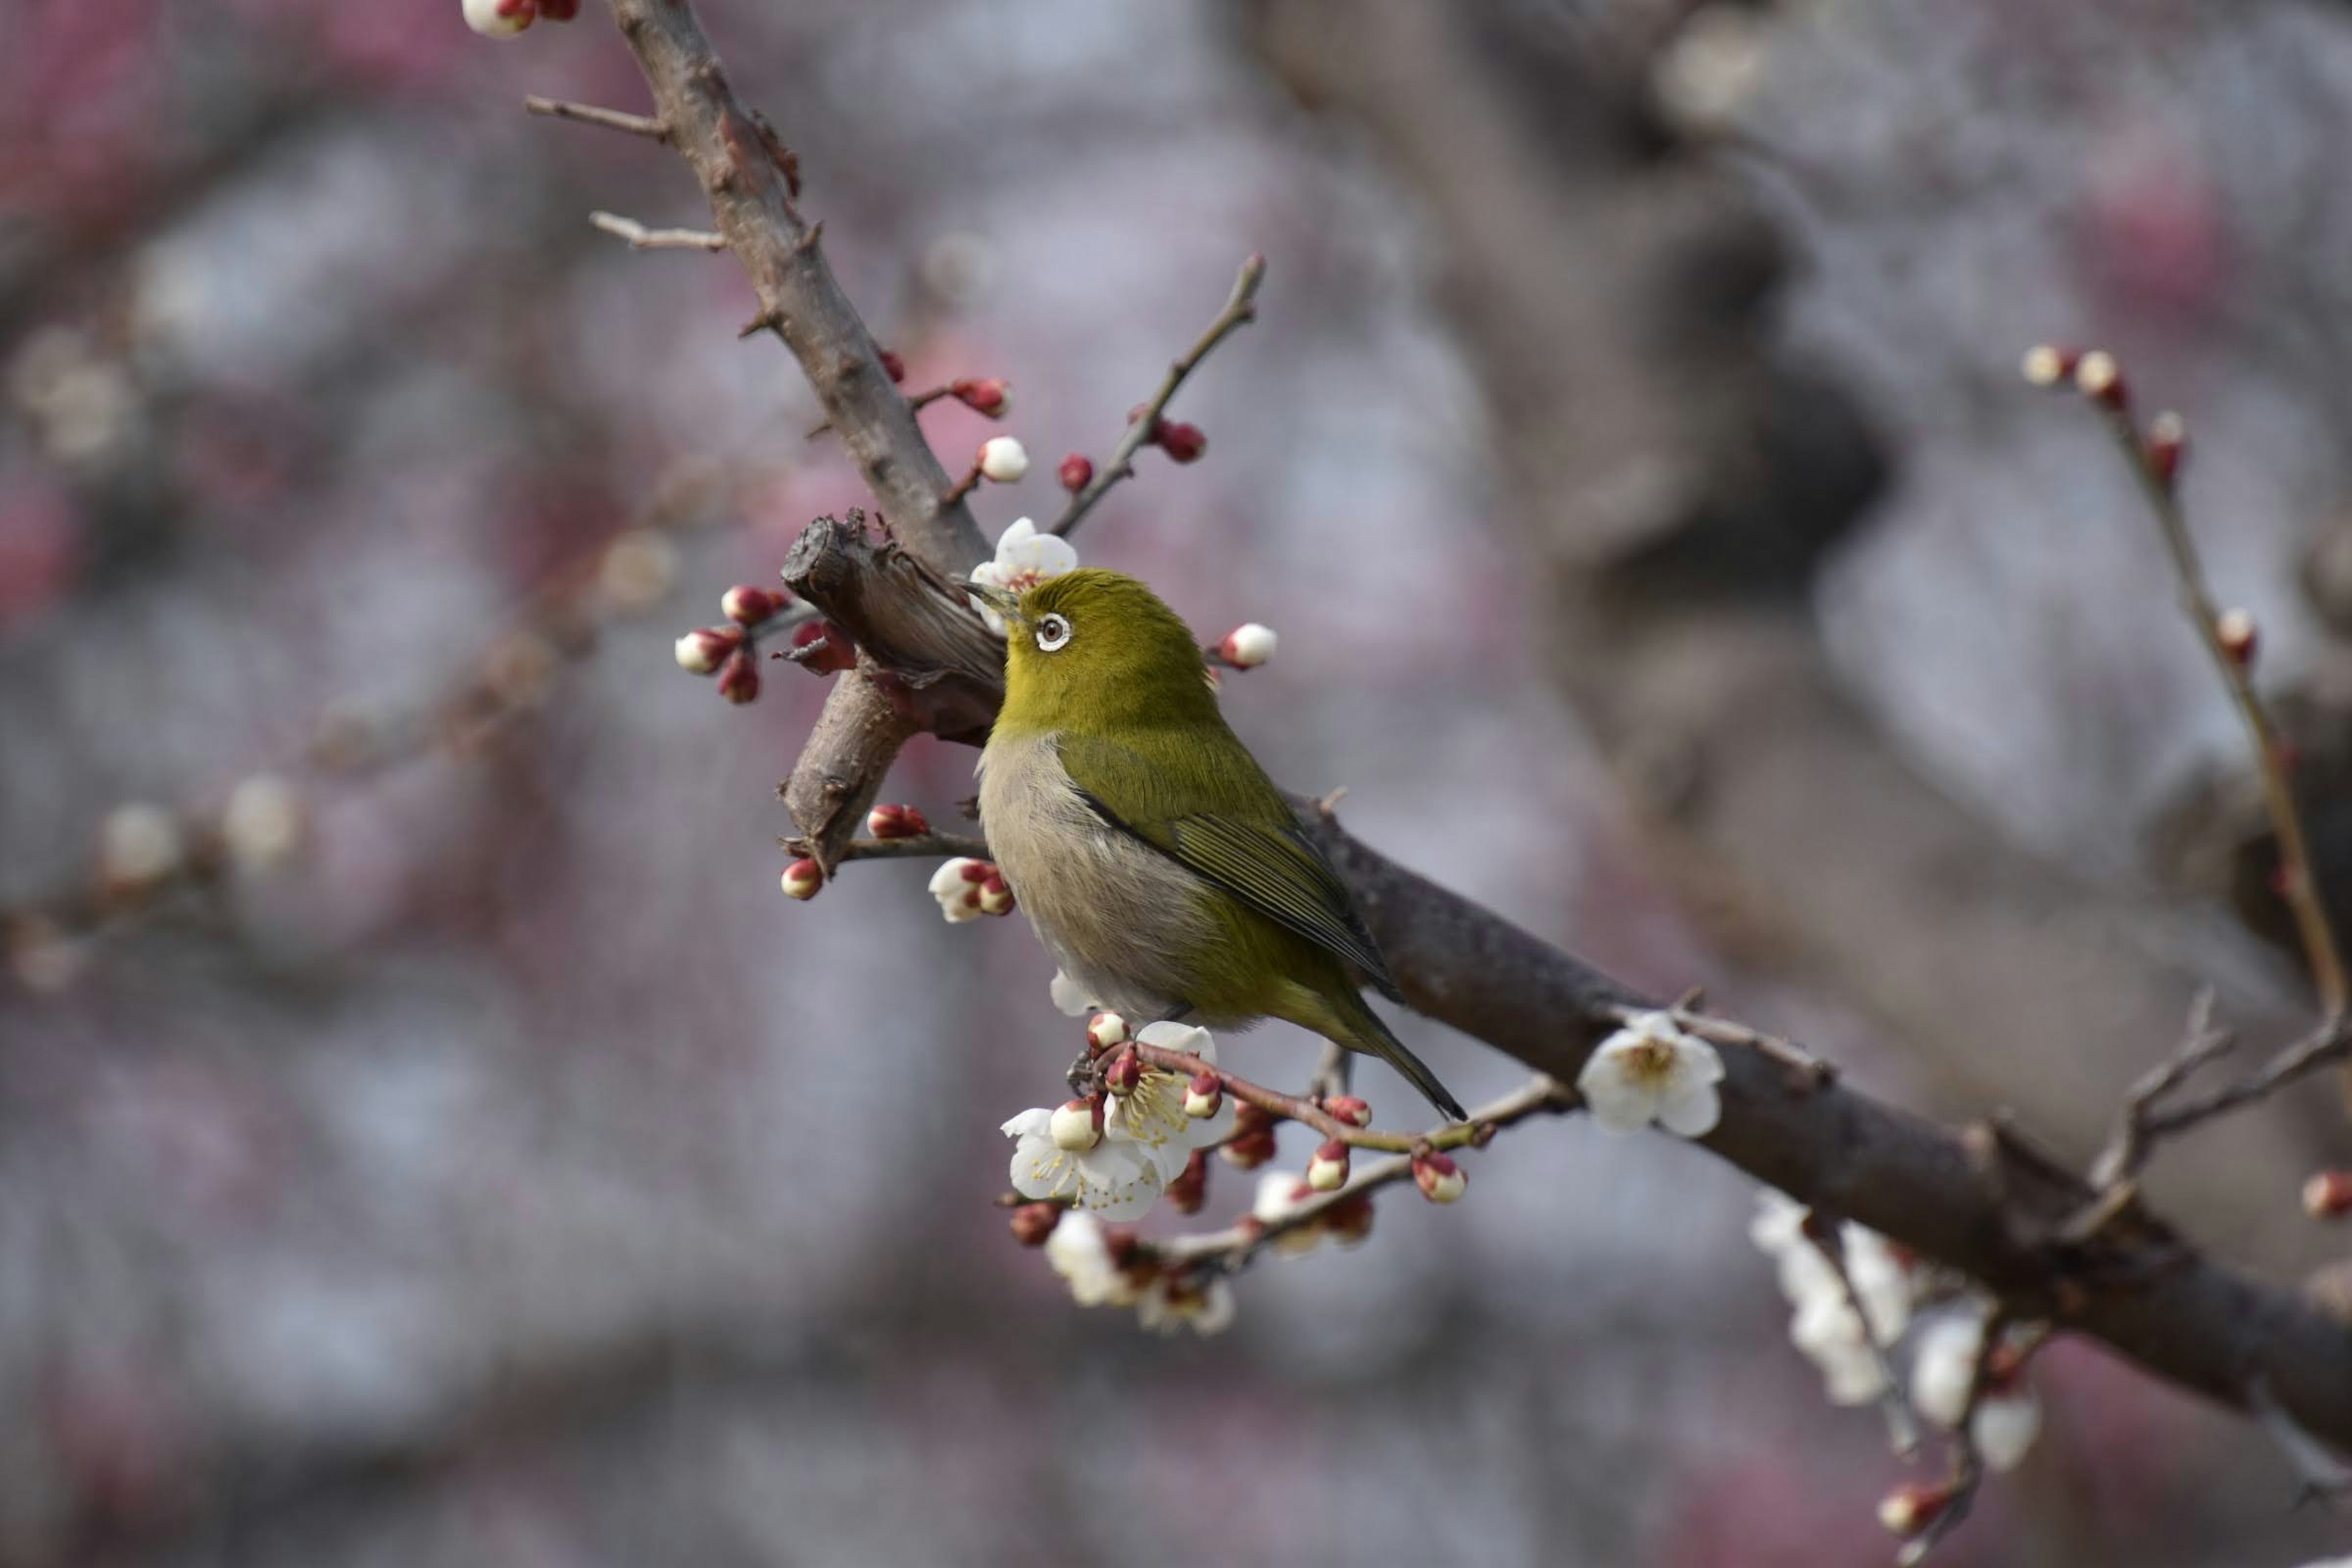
(1332, 1073)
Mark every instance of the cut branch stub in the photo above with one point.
(926, 651)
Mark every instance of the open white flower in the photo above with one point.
(957, 886)
(1081, 1254)
(2008, 1416)
(1649, 1071)
(1203, 1306)
(1024, 558)
(1154, 1115)
(1071, 999)
(1825, 1325)
(1828, 1333)
(1118, 1178)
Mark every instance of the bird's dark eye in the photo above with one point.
(1053, 633)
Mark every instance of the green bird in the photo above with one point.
(1155, 859)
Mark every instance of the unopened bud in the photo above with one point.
(1003, 460)
(1349, 1109)
(2046, 364)
(2167, 444)
(823, 648)
(2100, 379)
(739, 677)
(1247, 645)
(1349, 1220)
(1105, 1030)
(558, 10)
(2235, 630)
(1910, 1509)
(702, 652)
(1204, 1096)
(139, 847)
(1248, 1150)
(986, 394)
(1076, 1125)
(1441, 1181)
(892, 366)
(2328, 1194)
(1248, 1118)
(264, 823)
(1328, 1171)
(995, 894)
(748, 606)
(1033, 1222)
(1125, 1074)
(1189, 1190)
(499, 18)
(804, 879)
(1182, 442)
(890, 820)
(1076, 472)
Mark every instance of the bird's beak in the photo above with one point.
(1003, 603)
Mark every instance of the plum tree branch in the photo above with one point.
(1975, 1201)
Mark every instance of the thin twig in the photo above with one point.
(2300, 886)
(1901, 1428)
(2322, 1473)
(1240, 307)
(640, 237)
(2327, 1045)
(590, 114)
(2128, 1149)
(937, 845)
(1233, 1248)
(1452, 1135)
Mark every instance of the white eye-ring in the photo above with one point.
(1053, 633)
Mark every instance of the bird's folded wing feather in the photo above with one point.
(1229, 824)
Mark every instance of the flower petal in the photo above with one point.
(1691, 1110)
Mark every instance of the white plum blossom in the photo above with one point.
(1203, 1306)
(263, 823)
(1247, 645)
(1024, 558)
(957, 886)
(140, 844)
(498, 18)
(1650, 1071)
(1825, 1326)
(1003, 460)
(1154, 1115)
(1117, 1179)
(2008, 1418)
(1080, 1253)
(1071, 999)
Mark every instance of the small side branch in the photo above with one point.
(1241, 308)
(643, 125)
(640, 237)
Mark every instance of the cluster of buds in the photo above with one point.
(1281, 1193)
(729, 651)
(891, 820)
(2099, 378)
(1253, 1144)
(1183, 443)
(968, 888)
(509, 19)
(1246, 646)
(1125, 1074)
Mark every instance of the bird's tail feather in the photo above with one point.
(1363, 1030)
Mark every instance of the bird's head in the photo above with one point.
(1093, 647)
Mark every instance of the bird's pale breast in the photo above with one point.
(1121, 919)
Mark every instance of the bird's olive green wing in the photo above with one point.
(1223, 819)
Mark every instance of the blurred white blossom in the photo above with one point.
(2008, 1415)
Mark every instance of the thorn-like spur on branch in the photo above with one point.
(2136, 1134)
(1240, 307)
(2155, 457)
(588, 114)
(1232, 1249)
(640, 237)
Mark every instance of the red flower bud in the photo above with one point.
(987, 395)
(2328, 1194)
(2098, 377)
(1033, 1222)
(804, 879)
(739, 678)
(748, 606)
(702, 652)
(1348, 1109)
(1910, 1509)
(1076, 472)
(1248, 1118)
(893, 821)
(1328, 1171)
(1125, 1074)
(1205, 1095)
(995, 895)
(1182, 442)
(1189, 1190)
(2047, 365)
(892, 366)
(2235, 631)
(1441, 1181)
(1349, 1220)
(559, 10)
(1105, 1030)
(2167, 444)
(1248, 1151)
